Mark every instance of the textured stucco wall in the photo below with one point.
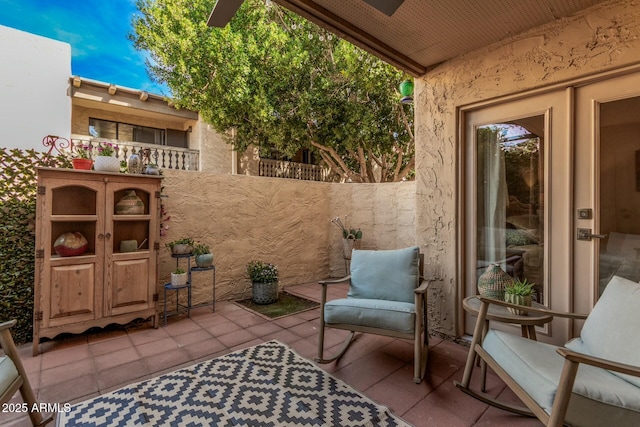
(215, 153)
(33, 89)
(602, 38)
(283, 221)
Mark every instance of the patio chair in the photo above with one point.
(14, 378)
(594, 380)
(387, 296)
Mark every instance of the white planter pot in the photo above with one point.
(178, 279)
(106, 164)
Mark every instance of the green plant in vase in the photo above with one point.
(203, 255)
(181, 246)
(264, 282)
(519, 292)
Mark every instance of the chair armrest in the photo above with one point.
(8, 324)
(335, 281)
(424, 284)
(547, 311)
(598, 362)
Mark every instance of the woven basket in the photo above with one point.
(491, 283)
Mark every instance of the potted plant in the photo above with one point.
(181, 246)
(178, 277)
(264, 280)
(152, 169)
(351, 238)
(204, 257)
(82, 159)
(518, 292)
(106, 159)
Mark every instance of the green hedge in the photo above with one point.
(17, 235)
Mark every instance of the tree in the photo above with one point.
(283, 83)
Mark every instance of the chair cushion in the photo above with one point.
(8, 373)
(599, 398)
(611, 330)
(390, 315)
(385, 275)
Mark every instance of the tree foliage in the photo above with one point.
(283, 83)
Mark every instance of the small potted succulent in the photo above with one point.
(181, 246)
(204, 257)
(518, 292)
(264, 280)
(178, 277)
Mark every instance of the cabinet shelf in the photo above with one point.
(131, 217)
(74, 218)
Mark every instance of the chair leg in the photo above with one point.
(9, 348)
(340, 352)
(420, 354)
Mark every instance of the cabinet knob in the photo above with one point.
(100, 236)
(108, 236)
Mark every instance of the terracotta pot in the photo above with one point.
(82, 164)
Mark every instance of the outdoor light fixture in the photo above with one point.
(406, 90)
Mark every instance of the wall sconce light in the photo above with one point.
(406, 90)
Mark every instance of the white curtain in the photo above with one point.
(494, 195)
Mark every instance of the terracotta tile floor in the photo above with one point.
(83, 366)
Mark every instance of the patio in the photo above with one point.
(83, 366)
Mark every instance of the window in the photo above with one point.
(99, 128)
(509, 214)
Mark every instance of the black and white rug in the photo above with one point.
(265, 385)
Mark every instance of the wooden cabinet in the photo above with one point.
(102, 285)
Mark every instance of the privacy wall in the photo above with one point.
(282, 221)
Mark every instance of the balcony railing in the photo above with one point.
(283, 169)
(164, 156)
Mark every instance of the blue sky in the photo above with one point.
(97, 32)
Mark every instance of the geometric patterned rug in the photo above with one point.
(265, 385)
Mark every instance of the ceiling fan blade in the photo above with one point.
(388, 7)
(222, 12)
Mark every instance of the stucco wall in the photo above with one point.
(602, 38)
(282, 221)
(33, 88)
(215, 153)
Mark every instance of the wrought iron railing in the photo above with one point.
(164, 156)
(283, 169)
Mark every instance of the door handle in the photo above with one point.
(586, 234)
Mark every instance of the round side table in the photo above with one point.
(499, 313)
